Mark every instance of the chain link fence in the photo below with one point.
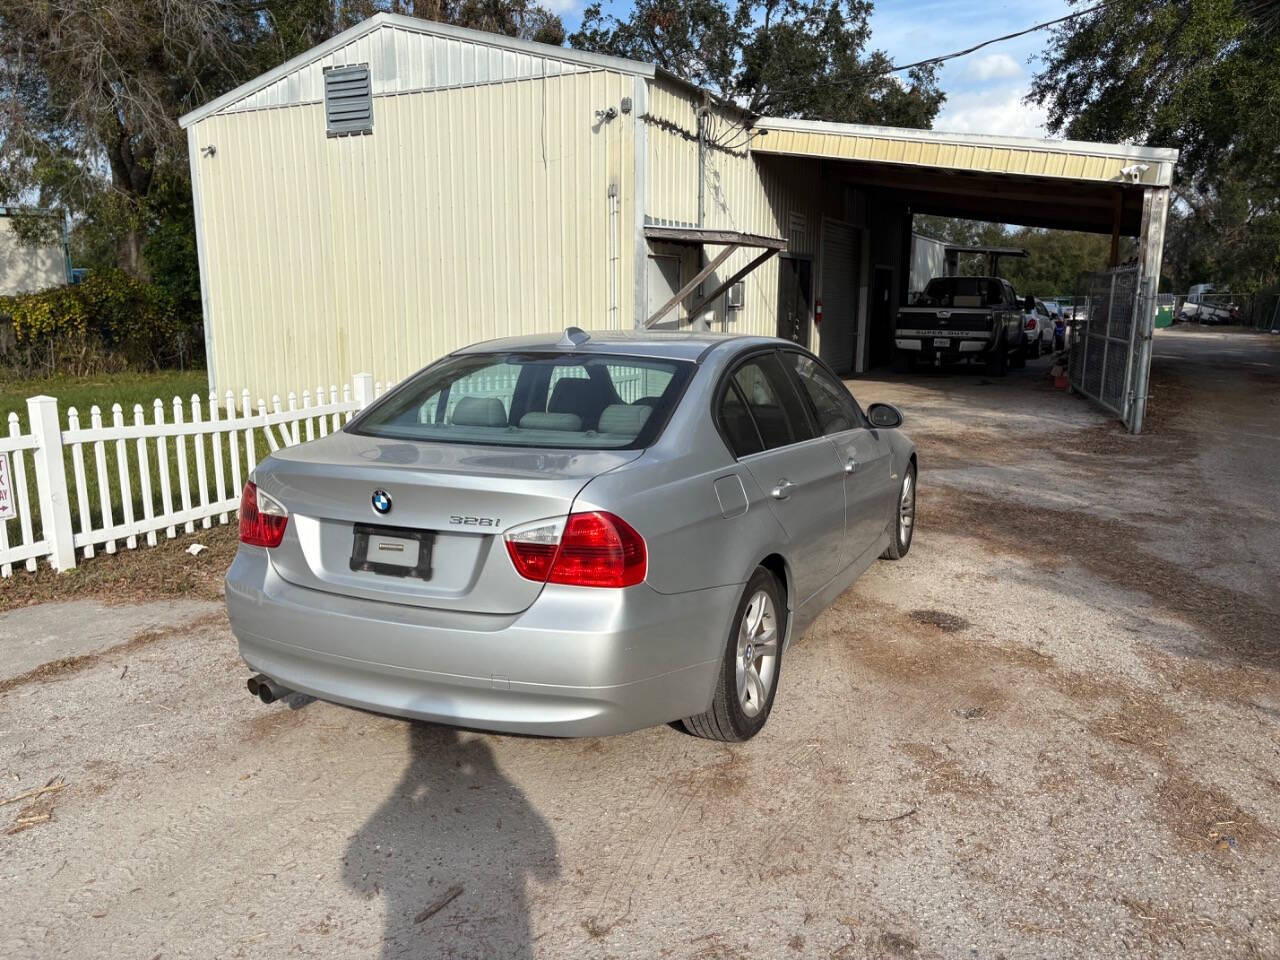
(1109, 356)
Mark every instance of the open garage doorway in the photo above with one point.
(875, 180)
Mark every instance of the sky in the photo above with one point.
(985, 89)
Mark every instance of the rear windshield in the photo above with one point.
(599, 402)
(962, 292)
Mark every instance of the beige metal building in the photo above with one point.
(409, 187)
(25, 269)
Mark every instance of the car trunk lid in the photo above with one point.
(451, 500)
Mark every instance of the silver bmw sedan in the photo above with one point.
(574, 536)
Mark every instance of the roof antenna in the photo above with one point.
(573, 337)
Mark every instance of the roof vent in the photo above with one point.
(573, 337)
(348, 100)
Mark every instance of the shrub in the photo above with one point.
(111, 321)
(131, 317)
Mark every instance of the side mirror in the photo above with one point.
(1029, 304)
(884, 416)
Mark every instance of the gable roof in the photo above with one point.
(518, 59)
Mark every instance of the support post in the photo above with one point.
(362, 389)
(51, 481)
(1117, 216)
(1155, 213)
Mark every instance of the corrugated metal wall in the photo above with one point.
(469, 213)
(781, 197)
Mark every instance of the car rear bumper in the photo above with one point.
(578, 662)
(926, 348)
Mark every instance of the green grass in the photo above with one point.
(126, 389)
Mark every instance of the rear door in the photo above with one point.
(870, 489)
(799, 471)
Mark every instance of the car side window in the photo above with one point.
(736, 424)
(761, 385)
(830, 403)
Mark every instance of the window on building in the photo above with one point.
(348, 100)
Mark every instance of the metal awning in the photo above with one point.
(731, 240)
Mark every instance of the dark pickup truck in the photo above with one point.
(962, 318)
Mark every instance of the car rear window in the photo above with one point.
(569, 400)
(962, 292)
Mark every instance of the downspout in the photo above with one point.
(702, 186)
(613, 256)
(702, 165)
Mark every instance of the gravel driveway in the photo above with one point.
(1052, 731)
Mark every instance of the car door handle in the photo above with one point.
(850, 465)
(782, 490)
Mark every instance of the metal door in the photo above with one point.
(794, 290)
(841, 272)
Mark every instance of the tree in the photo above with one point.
(92, 89)
(796, 58)
(91, 92)
(1055, 258)
(1199, 75)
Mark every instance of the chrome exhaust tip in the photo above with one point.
(266, 689)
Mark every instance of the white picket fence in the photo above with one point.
(132, 471)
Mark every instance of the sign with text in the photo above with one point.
(8, 507)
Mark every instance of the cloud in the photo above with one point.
(562, 7)
(997, 111)
(994, 66)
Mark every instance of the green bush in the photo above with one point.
(49, 314)
(132, 318)
(111, 321)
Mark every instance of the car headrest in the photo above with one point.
(537, 420)
(574, 395)
(480, 412)
(624, 418)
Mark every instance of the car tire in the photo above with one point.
(902, 525)
(998, 364)
(741, 705)
(1018, 359)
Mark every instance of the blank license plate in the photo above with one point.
(392, 551)
(942, 343)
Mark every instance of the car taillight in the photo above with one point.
(595, 549)
(262, 518)
(1031, 323)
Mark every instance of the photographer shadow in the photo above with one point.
(450, 851)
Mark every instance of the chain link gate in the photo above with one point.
(1111, 342)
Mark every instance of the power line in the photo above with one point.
(894, 68)
(774, 93)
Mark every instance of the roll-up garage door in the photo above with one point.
(840, 268)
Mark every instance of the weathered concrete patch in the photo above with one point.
(33, 636)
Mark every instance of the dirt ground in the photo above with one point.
(1053, 730)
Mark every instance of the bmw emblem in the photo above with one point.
(381, 501)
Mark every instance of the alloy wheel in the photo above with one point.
(756, 664)
(907, 509)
